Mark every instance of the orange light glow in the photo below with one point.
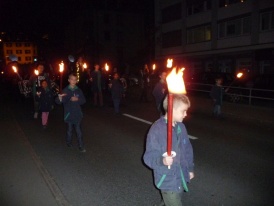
(169, 63)
(239, 75)
(36, 72)
(153, 67)
(85, 66)
(106, 67)
(175, 82)
(14, 69)
(61, 67)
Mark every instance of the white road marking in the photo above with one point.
(148, 122)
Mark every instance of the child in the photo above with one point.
(116, 89)
(216, 94)
(72, 98)
(159, 92)
(44, 97)
(171, 181)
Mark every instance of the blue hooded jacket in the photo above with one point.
(174, 178)
(72, 110)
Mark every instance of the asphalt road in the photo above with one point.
(233, 158)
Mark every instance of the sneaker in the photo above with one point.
(69, 145)
(35, 116)
(81, 149)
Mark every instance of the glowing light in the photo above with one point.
(85, 66)
(169, 63)
(14, 69)
(239, 75)
(175, 82)
(153, 67)
(106, 67)
(61, 67)
(36, 72)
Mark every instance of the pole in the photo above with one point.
(169, 123)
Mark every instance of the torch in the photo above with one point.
(61, 69)
(16, 72)
(175, 85)
(106, 67)
(85, 65)
(238, 76)
(169, 63)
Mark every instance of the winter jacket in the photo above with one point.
(174, 178)
(72, 110)
(116, 89)
(216, 94)
(45, 100)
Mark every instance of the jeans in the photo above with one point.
(217, 110)
(45, 116)
(77, 127)
(116, 103)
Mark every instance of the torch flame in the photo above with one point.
(153, 67)
(36, 72)
(14, 69)
(61, 67)
(85, 66)
(239, 75)
(169, 63)
(106, 67)
(175, 82)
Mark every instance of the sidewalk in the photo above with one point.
(21, 180)
(234, 110)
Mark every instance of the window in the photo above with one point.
(28, 58)
(27, 44)
(172, 13)
(18, 44)
(225, 3)
(27, 51)
(19, 58)
(172, 39)
(267, 21)
(8, 44)
(235, 27)
(199, 34)
(9, 51)
(198, 7)
(18, 51)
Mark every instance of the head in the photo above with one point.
(219, 80)
(44, 84)
(181, 104)
(96, 67)
(115, 75)
(40, 68)
(72, 79)
(163, 76)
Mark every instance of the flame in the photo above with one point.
(175, 82)
(106, 67)
(36, 72)
(239, 75)
(14, 69)
(169, 63)
(61, 66)
(153, 67)
(85, 66)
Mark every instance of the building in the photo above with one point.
(216, 35)
(20, 46)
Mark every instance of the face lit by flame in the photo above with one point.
(175, 82)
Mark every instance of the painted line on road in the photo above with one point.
(148, 122)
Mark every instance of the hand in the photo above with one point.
(74, 98)
(168, 160)
(60, 96)
(191, 175)
(38, 94)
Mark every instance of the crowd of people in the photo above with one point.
(171, 173)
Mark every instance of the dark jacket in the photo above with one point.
(72, 110)
(156, 145)
(98, 81)
(216, 94)
(46, 100)
(158, 92)
(116, 89)
(35, 81)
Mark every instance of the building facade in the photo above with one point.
(216, 35)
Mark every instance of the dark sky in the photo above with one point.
(53, 15)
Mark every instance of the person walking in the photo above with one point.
(116, 89)
(45, 99)
(159, 92)
(72, 98)
(171, 173)
(96, 79)
(216, 93)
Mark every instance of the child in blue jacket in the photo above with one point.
(72, 99)
(171, 180)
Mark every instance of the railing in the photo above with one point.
(251, 96)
